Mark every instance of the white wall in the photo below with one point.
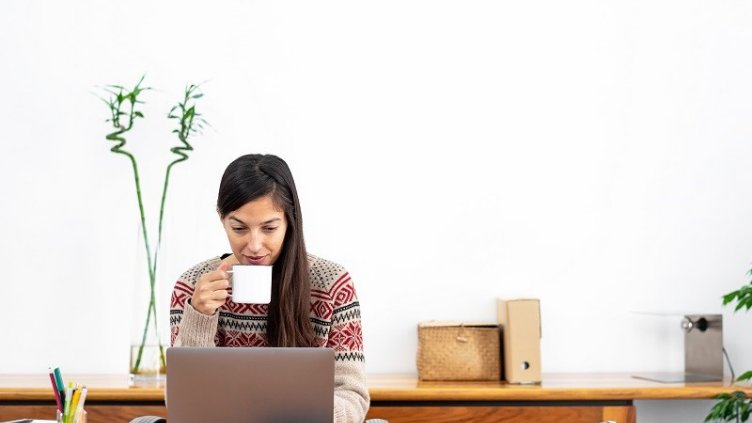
(592, 154)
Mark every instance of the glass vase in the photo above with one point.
(147, 366)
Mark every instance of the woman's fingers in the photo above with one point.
(211, 291)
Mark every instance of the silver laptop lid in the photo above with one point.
(250, 385)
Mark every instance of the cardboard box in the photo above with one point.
(521, 333)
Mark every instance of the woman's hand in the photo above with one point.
(211, 290)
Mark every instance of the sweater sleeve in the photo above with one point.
(189, 327)
(351, 397)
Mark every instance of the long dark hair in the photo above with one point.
(254, 176)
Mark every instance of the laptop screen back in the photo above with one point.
(250, 385)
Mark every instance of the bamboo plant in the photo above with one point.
(123, 105)
(735, 406)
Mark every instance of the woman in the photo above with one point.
(313, 300)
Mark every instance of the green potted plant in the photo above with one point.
(123, 105)
(735, 406)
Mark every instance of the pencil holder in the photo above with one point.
(79, 418)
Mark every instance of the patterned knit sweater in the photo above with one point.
(335, 316)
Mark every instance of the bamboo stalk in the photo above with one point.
(187, 118)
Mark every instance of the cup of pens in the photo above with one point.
(80, 417)
(69, 399)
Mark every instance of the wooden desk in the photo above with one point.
(565, 398)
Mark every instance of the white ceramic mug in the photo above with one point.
(251, 284)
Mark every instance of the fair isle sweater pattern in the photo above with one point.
(334, 312)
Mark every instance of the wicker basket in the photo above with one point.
(458, 351)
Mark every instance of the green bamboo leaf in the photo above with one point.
(719, 410)
(199, 95)
(745, 302)
(738, 306)
(139, 114)
(727, 408)
(744, 410)
(730, 297)
(744, 377)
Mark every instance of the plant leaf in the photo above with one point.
(745, 377)
(729, 297)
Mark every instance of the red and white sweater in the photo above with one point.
(335, 316)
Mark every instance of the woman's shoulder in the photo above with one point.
(324, 269)
(191, 275)
(328, 276)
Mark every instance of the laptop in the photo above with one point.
(250, 385)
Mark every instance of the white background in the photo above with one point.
(593, 154)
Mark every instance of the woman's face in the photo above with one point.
(256, 231)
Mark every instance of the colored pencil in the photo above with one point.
(56, 391)
(80, 405)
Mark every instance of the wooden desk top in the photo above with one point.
(392, 387)
(555, 387)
